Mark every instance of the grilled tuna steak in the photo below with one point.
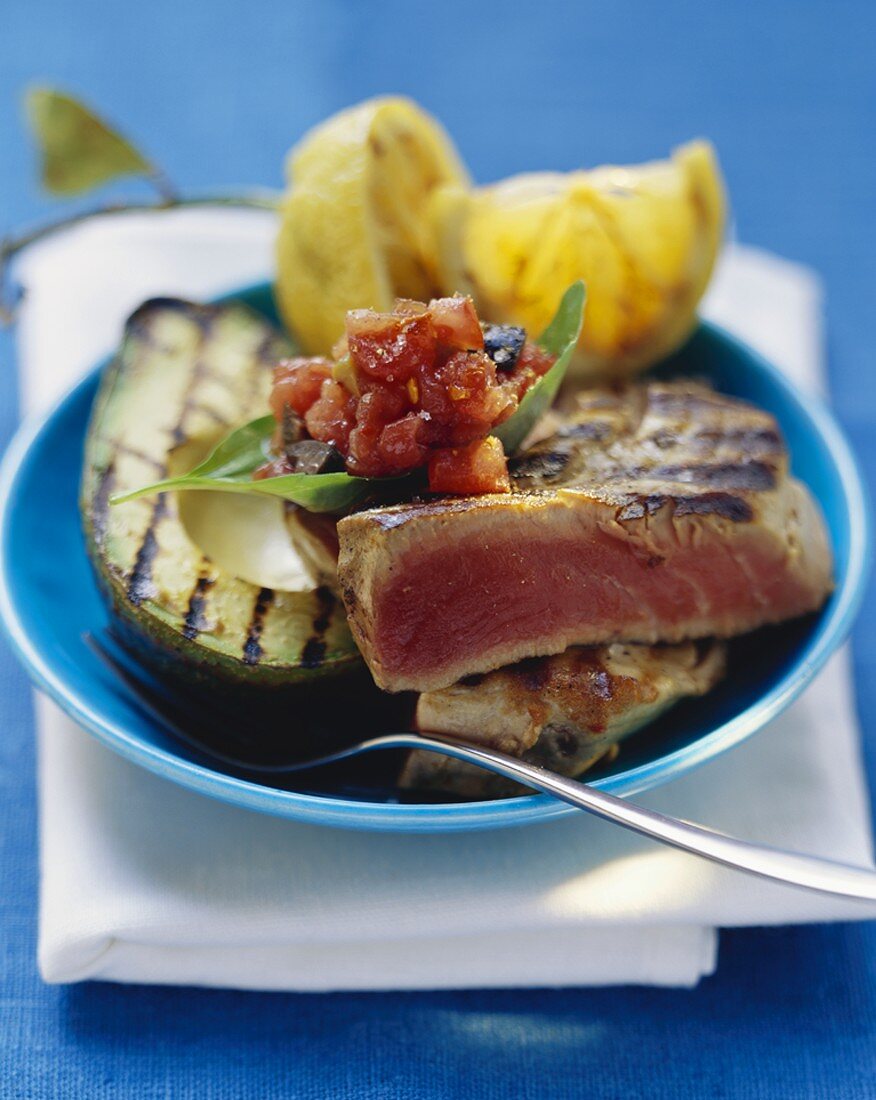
(656, 513)
(564, 712)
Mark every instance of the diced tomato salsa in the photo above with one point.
(412, 388)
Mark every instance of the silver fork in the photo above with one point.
(793, 868)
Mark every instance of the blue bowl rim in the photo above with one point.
(830, 632)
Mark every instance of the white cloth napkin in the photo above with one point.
(144, 881)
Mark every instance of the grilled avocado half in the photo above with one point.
(184, 376)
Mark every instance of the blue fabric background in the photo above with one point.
(217, 92)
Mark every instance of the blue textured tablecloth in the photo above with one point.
(216, 92)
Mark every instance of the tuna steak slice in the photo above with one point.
(563, 713)
(656, 513)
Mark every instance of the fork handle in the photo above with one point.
(810, 872)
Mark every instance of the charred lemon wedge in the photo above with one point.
(644, 239)
(353, 228)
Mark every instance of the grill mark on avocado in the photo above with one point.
(196, 619)
(268, 354)
(178, 431)
(139, 324)
(132, 452)
(100, 504)
(200, 373)
(140, 584)
(252, 647)
(313, 653)
(191, 405)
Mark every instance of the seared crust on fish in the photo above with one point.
(563, 713)
(659, 512)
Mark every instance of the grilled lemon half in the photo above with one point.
(353, 227)
(644, 239)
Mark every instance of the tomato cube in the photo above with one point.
(456, 323)
(297, 384)
(388, 347)
(479, 467)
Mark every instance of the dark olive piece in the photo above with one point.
(308, 456)
(292, 429)
(503, 344)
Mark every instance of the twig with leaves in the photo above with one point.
(79, 152)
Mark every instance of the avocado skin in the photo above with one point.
(171, 655)
(185, 374)
(265, 721)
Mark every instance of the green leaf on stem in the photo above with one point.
(79, 151)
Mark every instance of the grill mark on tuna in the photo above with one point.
(100, 504)
(542, 465)
(742, 437)
(252, 647)
(533, 673)
(196, 619)
(140, 584)
(687, 401)
(756, 476)
(475, 680)
(606, 398)
(725, 505)
(595, 430)
(638, 507)
(313, 653)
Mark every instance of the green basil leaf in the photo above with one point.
(315, 492)
(230, 465)
(241, 452)
(79, 151)
(559, 338)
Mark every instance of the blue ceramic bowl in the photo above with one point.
(48, 599)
